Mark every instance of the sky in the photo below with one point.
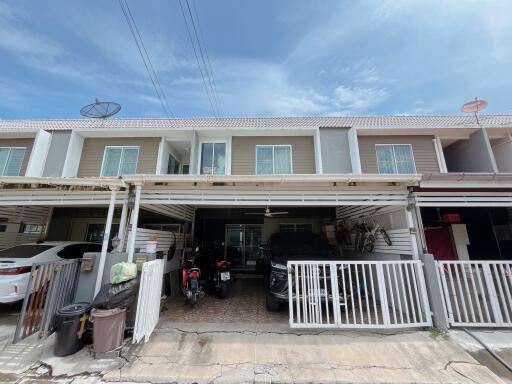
(268, 57)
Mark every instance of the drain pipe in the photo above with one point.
(488, 349)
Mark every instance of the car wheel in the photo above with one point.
(272, 303)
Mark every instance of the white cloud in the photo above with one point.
(357, 98)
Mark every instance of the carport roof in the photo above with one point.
(446, 121)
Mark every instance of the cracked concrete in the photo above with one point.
(242, 353)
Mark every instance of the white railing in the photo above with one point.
(477, 293)
(148, 303)
(357, 294)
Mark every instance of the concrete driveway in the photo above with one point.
(271, 353)
(212, 345)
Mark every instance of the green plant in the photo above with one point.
(436, 332)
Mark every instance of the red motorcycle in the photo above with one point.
(191, 279)
(222, 278)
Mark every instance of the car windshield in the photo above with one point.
(24, 251)
(286, 244)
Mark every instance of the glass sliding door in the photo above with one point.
(242, 242)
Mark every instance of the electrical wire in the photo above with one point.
(205, 50)
(209, 92)
(202, 47)
(149, 59)
(145, 59)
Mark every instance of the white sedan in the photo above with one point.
(16, 263)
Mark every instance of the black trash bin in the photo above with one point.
(70, 328)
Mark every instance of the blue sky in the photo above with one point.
(269, 58)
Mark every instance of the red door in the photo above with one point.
(439, 243)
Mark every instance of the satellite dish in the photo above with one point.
(474, 106)
(100, 109)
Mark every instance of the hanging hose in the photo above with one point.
(488, 349)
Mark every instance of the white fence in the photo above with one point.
(357, 294)
(148, 304)
(477, 293)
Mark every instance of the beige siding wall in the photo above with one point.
(243, 157)
(93, 150)
(27, 143)
(422, 148)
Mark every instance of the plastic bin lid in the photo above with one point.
(104, 313)
(74, 309)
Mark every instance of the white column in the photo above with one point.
(106, 237)
(37, 159)
(133, 224)
(353, 145)
(414, 231)
(318, 152)
(438, 146)
(121, 234)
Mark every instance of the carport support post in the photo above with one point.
(133, 224)
(106, 238)
(122, 226)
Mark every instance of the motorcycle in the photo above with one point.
(216, 272)
(191, 279)
(222, 279)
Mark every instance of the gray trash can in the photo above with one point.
(108, 329)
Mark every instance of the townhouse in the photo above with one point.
(428, 180)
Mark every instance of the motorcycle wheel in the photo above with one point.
(224, 289)
(193, 299)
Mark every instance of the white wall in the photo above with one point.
(37, 158)
(502, 150)
(73, 155)
(471, 155)
(354, 150)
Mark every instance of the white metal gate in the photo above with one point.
(148, 303)
(477, 293)
(357, 294)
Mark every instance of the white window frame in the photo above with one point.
(9, 156)
(123, 147)
(227, 160)
(28, 228)
(273, 162)
(394, 158)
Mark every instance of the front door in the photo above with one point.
(242, 242)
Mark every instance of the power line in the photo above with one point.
(149, 59)
(132, 25)
(202, 47)
(209, 91)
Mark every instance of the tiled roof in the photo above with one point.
(453, 121)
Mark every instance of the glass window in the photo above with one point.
(31, 228)
(95, 232)
(11, 160)
(173, 168)
(396, 159)
(76, 251)
(213, 158)
(264, 160)
(24, 251)
(185, 169)
(296, 227)
(273, 159)
(119, 161)
(164, 227)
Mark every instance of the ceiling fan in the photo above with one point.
(267, 213)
